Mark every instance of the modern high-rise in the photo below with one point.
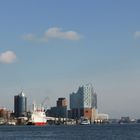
(20, 105)
(83, 102)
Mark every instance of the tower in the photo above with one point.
(20, 105)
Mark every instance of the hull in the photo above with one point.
(85, 123)
(37, 123)
(40, 123)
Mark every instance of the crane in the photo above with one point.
(44, 102)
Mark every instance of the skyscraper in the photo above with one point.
(83, 101)
(20, 105)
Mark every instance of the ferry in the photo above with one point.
(38, 116)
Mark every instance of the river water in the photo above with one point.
(77, 132)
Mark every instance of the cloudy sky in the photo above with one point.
(49, 48)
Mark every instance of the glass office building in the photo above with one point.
(20, 105)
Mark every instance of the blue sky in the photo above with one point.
(49, 48)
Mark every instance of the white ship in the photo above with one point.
(84, 121)
(38, 116)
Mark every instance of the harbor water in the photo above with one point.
(77, 132)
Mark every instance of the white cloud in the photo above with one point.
(137, 34)
(58, 33)
(8, 57)
(29, 37)
(53, 33)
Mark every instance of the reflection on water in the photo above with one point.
(85, 132)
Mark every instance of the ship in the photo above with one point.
(84, 121)
(37, 116)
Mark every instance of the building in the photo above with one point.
(20, 105)
(83, 102)
(61, 102)
(60, 110)
(102, 117)
(4, 113)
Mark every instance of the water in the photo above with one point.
(79, 132)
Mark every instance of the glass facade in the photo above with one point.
(85, 97)
(20, 105)
(83, 101)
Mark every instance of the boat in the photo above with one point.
(84, 121)
(37, 116)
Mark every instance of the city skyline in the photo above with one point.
(49, 48)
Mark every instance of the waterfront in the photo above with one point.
(73, 132)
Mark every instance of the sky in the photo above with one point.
(49, 48)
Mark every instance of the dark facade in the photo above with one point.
(61, 102)
(83, 112)
(94, 100)
(20, 105)
(60, 110)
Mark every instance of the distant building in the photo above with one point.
(60, 110)
(102, 117)
(83, 102)
(61, 102)
(125, 120)
(20, 105)
(4, 113)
